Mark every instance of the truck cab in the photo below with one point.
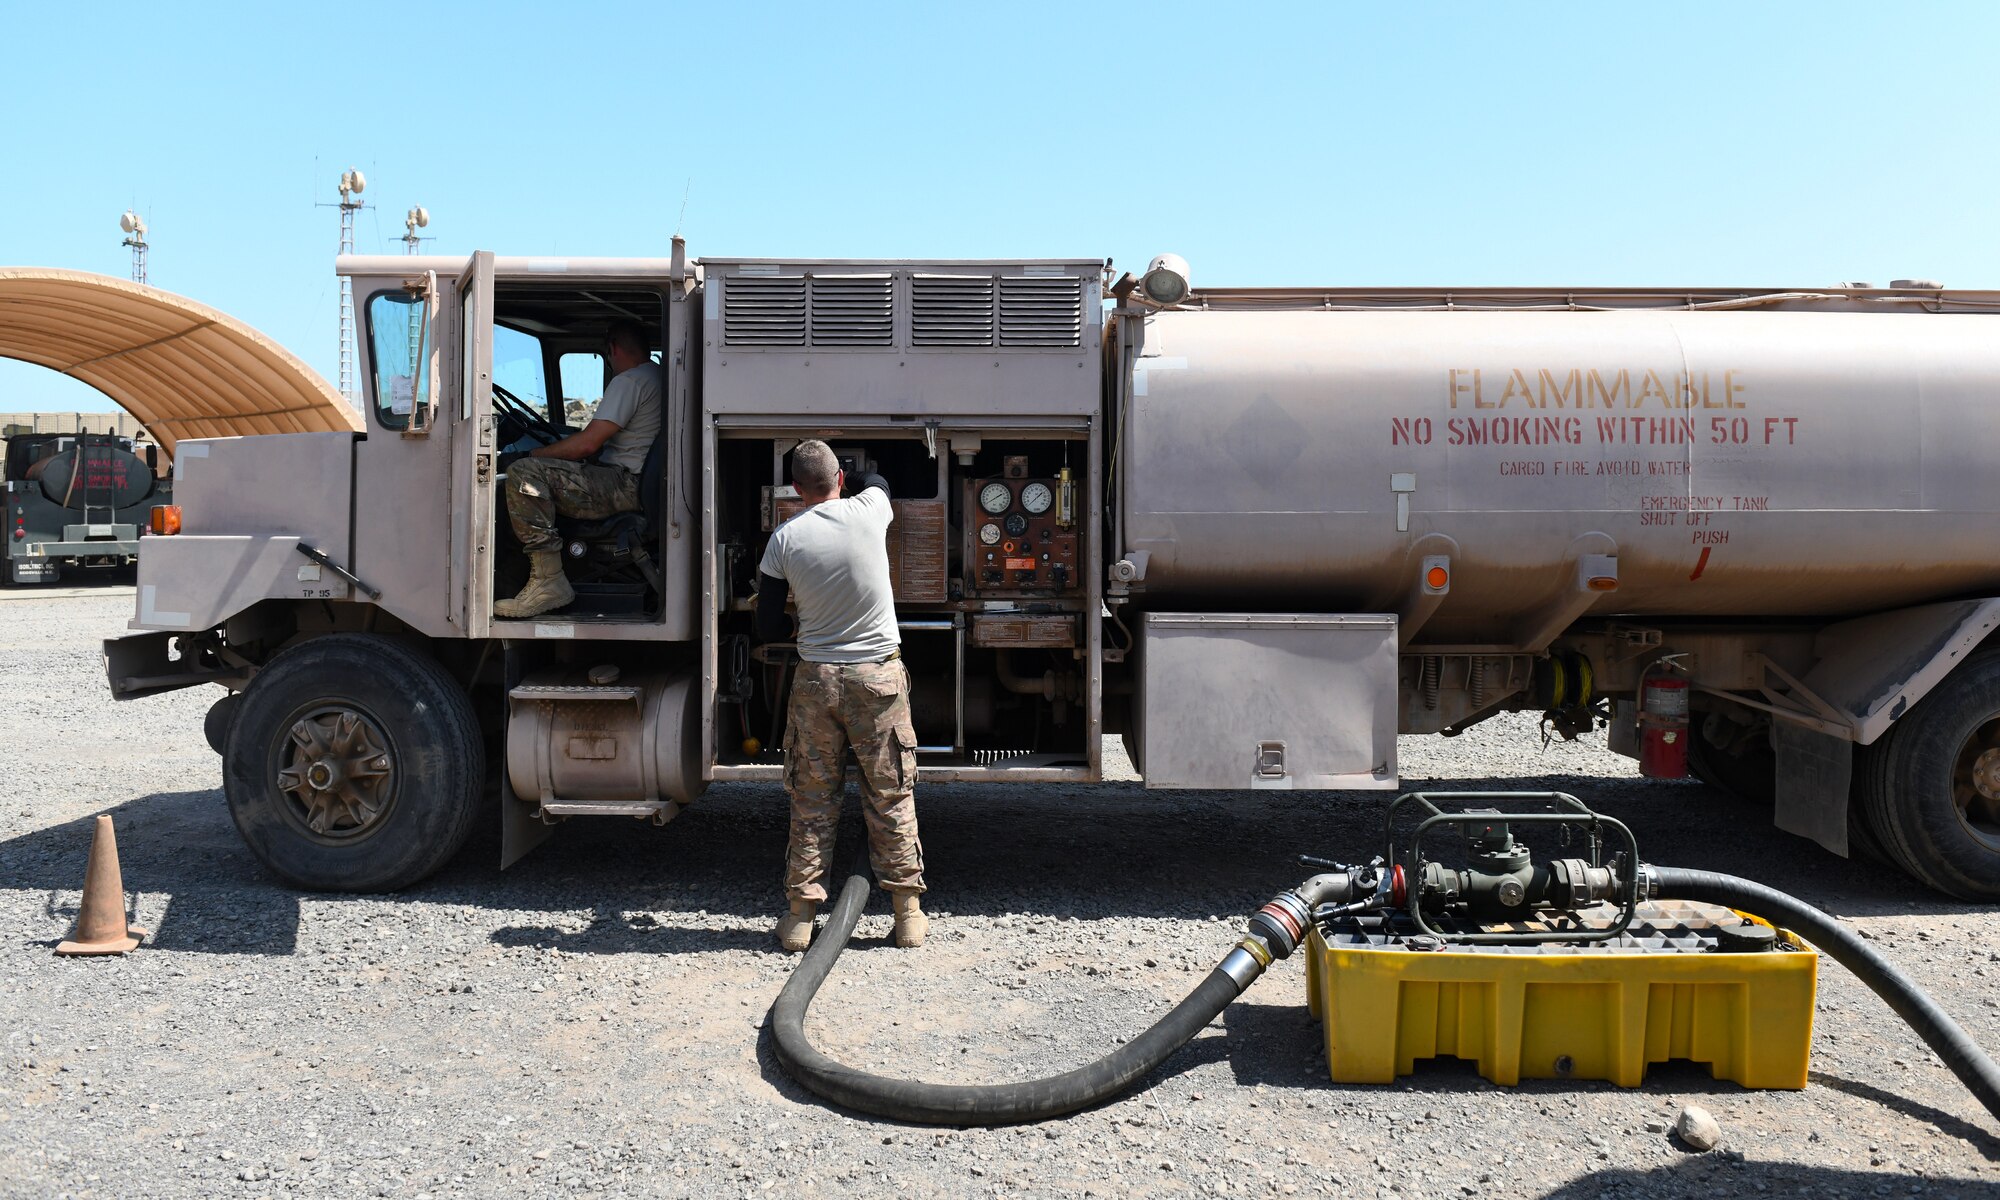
(311, 567)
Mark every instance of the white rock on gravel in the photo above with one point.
(1697, 1128)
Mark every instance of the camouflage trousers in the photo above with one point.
(866, 706)
(539, 488)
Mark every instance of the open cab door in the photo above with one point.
(473, 455)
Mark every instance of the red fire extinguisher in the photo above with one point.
(1663, 724)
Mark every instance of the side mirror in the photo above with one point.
(423, 360)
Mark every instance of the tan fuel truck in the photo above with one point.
(1754, 532)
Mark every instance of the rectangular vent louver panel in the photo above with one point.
(951, 310)
(853, 310)
(764, 310)
(1041, 311)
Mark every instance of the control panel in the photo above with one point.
(1020, 534)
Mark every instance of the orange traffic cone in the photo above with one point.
(100, 921)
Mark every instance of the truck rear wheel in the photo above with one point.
(1931, 787)
(353, 764)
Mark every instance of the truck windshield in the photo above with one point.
(517, 366)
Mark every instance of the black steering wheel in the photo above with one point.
(519, 412)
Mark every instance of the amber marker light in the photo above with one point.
(1603, 583)
(166, 519)
(1436, 578)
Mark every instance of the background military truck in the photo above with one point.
(76, 498)
(1256, 532)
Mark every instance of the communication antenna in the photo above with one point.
(417, 218)
(135, 236)
(352, 183)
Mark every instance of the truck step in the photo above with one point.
(576, 693)
(661, 811)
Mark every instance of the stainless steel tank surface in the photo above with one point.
(1737, 463)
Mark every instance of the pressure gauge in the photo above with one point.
(1036, 498)
(989, 533)
(1017, 524)
(995, 497)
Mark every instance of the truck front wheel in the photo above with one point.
(1931, 786)
(353, 764)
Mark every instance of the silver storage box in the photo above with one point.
(1262, 700)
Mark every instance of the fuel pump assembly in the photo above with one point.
(1528, 967)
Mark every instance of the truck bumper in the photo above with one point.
(146, 664)
(122, 549)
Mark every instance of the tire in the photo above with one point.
(221, 715)
(1863, 843)
(1922, 794)
(395, 743)
(1748, 773)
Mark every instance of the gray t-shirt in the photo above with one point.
(631, 402)
(835, 556)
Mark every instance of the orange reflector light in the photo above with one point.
(166, 519)
(1603, 583)
(1436, 578)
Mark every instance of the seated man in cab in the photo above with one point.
(561, 478)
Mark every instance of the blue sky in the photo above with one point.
(1410, 143)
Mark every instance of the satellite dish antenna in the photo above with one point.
(131, 223)
(419, 218)
(352, 181)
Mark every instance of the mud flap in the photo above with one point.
(520, 829)
(1814, 770)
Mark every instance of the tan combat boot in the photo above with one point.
(548, 588)
(911, 924)
(795, 928)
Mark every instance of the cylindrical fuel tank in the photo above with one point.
(95, 475)
(1736, 463)
(637, 739)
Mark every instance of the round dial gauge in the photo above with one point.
(1017, 524)
(995, 497)
(989, 533)
(1036, 497)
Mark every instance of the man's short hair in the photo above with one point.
(629, 336)
(814, 468)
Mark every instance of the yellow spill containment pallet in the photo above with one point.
(1663, 990)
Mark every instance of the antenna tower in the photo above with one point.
(135, 236)
(352, 183)
(417, 218)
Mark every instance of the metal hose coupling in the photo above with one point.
(1277, 928)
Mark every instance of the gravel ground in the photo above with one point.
(591, 1021)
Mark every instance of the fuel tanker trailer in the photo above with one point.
(1759, 522)
(1746, 532)
(78, 500)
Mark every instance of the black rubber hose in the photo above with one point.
(1918, 1010)
(966, 1104)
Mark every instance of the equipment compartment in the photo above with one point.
(1298, 700)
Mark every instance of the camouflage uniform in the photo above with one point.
(866, 705)
(539, 488)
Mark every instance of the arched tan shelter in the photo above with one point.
(182, 368)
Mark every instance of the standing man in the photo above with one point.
(560, 478)
(851, 690)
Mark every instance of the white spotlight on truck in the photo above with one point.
(1166, 280)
